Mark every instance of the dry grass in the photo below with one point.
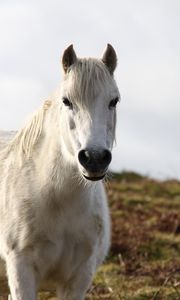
(144, 260)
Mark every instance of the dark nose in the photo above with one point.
(95, 160)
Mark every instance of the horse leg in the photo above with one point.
(76, 287)
(70, 293)
(21, 277)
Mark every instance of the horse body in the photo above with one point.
(54, 221)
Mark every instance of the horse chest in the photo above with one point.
(69, 239)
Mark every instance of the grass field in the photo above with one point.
(144, 260)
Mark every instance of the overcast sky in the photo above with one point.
(146, 36)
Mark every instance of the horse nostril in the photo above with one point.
(106, 157)
(84, 157)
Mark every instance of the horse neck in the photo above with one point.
(56, 169)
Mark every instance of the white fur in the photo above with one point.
(54, 224)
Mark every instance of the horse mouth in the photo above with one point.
(93, 178)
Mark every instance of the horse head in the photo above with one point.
(89, 95)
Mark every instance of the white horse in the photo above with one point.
(54, 219)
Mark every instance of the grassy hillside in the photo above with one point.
(144, 260)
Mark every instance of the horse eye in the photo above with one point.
(67, 103)
(113, 102)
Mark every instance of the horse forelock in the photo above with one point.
(86, 78)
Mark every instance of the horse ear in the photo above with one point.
(69, 58)
(110, 58)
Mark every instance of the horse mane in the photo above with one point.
(88, 76)
(25, 140)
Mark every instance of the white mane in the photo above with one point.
(25, 140)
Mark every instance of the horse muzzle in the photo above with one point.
(94, 162)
